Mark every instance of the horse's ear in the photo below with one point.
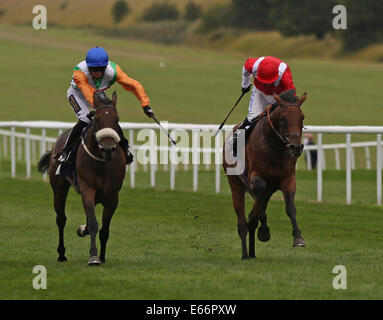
(96, 101)
(114, 98)
(277, 98)
(302, 98)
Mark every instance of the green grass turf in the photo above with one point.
(184, 245)
(180, 244)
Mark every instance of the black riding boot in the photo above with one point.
(124, 144)
(72, 139)
(243, 125)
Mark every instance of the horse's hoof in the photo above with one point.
(263, 234)
(94, 261)
(81, 231)
(245, 257)
(62, 259)
(299, 242)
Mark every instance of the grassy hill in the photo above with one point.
(76, 13)
(97, 14)
(185, 85)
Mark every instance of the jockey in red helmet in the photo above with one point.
(94, 74)
(271, 75)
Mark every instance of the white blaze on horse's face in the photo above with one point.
(107, 133)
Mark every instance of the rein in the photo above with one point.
(90, 153)
(281, 137)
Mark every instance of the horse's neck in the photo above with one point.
(268, 131)
(90, 140)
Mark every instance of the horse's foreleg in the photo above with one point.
(88, 201)
(258, 186)
(107, 215)
(288, 190)
(259, 214)
(238, 196)
(60, 189)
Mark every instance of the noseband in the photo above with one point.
(83, 142)
(281, 137)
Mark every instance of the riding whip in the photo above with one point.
(170, 138)
(224, 121)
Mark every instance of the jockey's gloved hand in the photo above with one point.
(148, 111)
(246, 90)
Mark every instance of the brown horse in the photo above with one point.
(271, 152)
(100, 167)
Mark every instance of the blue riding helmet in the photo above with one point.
(97, 57)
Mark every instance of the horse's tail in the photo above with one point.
(43, 164)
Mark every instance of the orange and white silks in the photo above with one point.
(80, 92)
(82, 80)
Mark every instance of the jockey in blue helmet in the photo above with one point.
(97, 57)
(94, 74)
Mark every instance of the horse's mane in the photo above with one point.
(289, 96)
(101, 96)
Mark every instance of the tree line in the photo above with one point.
(289, 17)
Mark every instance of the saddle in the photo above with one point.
(68, 169)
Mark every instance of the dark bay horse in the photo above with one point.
(271, 153)
(100, 167)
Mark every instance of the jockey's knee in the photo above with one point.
(83, 117)
(258, 184)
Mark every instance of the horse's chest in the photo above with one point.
(274, 171)
(110, 184)
(105, 182)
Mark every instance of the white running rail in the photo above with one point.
(16, 136)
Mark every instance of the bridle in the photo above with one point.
(282, 137)
(82, 138)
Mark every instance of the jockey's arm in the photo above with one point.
(287, 82)
(132, 85)
(247, 72)
(82, 83)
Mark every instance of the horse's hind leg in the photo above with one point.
(60, 189)
(238, 196)
(107, 215)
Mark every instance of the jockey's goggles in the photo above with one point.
(96, 69)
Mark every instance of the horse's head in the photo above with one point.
(290, 121)
(105, 123)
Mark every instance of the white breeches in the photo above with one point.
(258, 102)
(79, 104)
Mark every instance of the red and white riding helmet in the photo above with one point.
(267, 71)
